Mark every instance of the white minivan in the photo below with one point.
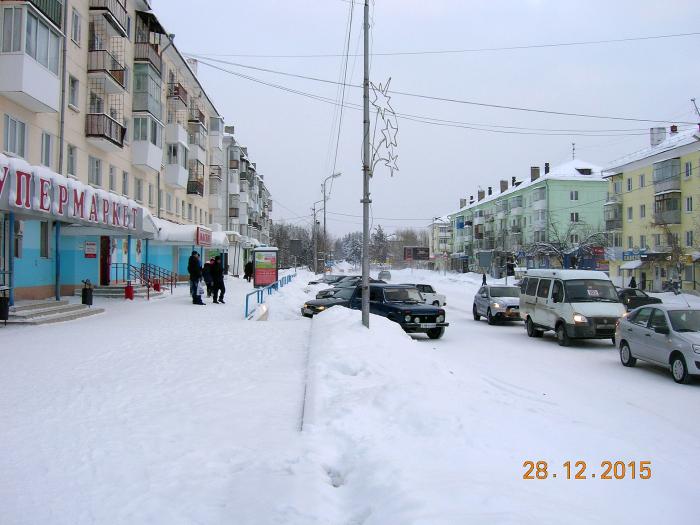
(576, 304)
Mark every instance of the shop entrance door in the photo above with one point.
(105, 260)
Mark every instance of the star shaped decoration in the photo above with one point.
(389, 133)
(391, 163)
(381, 98)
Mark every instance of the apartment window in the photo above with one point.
(44, 239)
(141, 128)
(573, 195)
(630, 242)
(195, 214)
(138, 190)
(15, 136)
(642, 211)
(150, 194)
(189, 211)
(642, 241)
(42, 43)
(630, 213)
(574, 217)
(112, 178)
(200, 216)
(657, 239)
(617, 186)
(689, 239)
(688, 204)
(642, 182)
(125, 183)
(71, 160)
(629, 184)
(156, 134)
(46, 149)
(169, 202)
(574, 238)
(688, 169)
(94, 171)
(12, 29)
(97, 103)
(76, 27)
(73, 92)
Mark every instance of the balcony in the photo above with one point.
(479, 220)
(516, 228)
(198, 143)
(178, 93)
(104, 132)
(195, 187)
(613, 224)
(196, 115)
(28, 83)
(667, 185)
(51, 9)
(104, 65)
(668, 217)
(147, 52)
(540, 204)
(176, 176)
(516, 211)
(114, 12)
(175, 134)
(613, 198)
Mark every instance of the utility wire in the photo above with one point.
(469, 50)
(436, 98)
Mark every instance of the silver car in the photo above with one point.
(664, 335)
(497, 303)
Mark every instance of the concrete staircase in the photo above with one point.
(45, 312)
(116, 291)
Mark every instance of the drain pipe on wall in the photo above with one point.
(61, 144)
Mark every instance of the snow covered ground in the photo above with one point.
(164, 412)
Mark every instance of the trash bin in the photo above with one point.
(129, 291)
(156, 285)
(86, 293)
(4, 308)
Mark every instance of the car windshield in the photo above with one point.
(504, 291)
(344, 293)
(685, 320)
(403, 295)
(590, 291)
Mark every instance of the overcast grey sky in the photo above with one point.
(289, 135)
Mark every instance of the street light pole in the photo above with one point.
(315, 236)
(365, 176)
(325, 198)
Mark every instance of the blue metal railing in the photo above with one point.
(260, 294)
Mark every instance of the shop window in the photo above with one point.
(44, 239)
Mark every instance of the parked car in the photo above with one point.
(497, 303)
(341, 296)
(430, 296)
(664, 335)
(346, 282)
(327, 279)
(384, 275)
(576, 304)
(633, 298)
(402, 304)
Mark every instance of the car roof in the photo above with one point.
(389, 285)
(567, 274)
(668, 307)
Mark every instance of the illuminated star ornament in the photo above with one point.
(384, 151)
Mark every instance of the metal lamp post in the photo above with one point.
(325, 198)
(313, 232)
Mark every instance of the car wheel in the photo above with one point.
(490, 318)
(436, 303)
(626, 356)
(475, 314)
(436, 333)
(679, 370)
(531, 330)
(562, 336)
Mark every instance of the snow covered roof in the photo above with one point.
(575, 169)
(170, 232)
(672, 141)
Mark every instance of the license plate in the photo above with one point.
(428, 325)
(308, 311)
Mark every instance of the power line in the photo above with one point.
(469, 50)
(436, 98)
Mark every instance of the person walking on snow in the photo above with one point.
(217, 277)
(206, 275)
(248, 270)
(633, 282)
(483, 279)
(194, 268)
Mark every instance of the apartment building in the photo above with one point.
(112, 151)
(651, 211)
(539, 222)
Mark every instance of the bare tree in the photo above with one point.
(561, 241)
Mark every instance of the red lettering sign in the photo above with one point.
(44, 201)
(94, 205)
(105, 211)
(3, 177)
(135, 212)
(116, 214)
(23, 183)
(127, 217)
(203, 236)
(78, 204)
(60, 198)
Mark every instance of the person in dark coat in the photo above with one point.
(206, 275)
(633, 282)
(248, 270)
(483, 279)
(217, 277)
(194, 268)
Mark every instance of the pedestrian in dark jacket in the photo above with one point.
(248, 270)
(483, 279)
(194, 268)
(217, 277)
(633, 282)
(206, 275)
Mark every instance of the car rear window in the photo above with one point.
(532, 286)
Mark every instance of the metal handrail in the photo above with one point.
(153, 272)
(260, 294)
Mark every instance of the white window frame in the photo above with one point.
(630, 213)
(46, 149)
(629, 183)
(689, 204)
(688, 169)
(642, 181)
(574, 216)
(125, 183)
(642, 211)
(13, 137)
(112, 178)
(689, 238)
(16, 32)
(573, 195)
(76, 29)
(138, 190)
(94, 171)
(73, 93)
(71, 160)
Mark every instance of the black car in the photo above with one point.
(346, 282)
(632, 298)
(402, 304)
(328, 279)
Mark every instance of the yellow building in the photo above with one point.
(652, 212)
